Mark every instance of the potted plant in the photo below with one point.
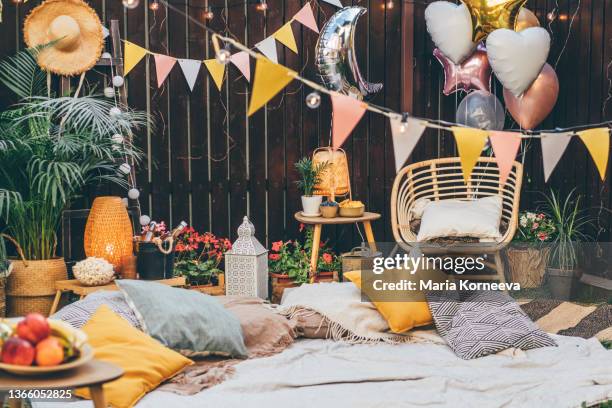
(527, 256)
(288, 266)
(5, 270)
(51, 148)
(328, 266)
(310, 175)
(570, 222)
(198, 257)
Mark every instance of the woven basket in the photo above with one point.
(2, 297)
(108, 233)
(335, 179)
(527, 266)
(31, 286)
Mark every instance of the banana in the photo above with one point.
(76, 338)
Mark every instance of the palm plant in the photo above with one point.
(310, 173)
(569, 222)
(51, 148)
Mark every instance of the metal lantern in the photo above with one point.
(246, 265)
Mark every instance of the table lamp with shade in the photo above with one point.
(335, 179)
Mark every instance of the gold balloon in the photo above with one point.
(490, 15)
(526, 19)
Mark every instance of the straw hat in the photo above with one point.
(77, 29)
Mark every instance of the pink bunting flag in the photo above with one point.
(242, 62)
(505, 146)
(306, 17)
(163, 66)
(553, 147)
(347, 112)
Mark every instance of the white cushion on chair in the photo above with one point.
(456, 218)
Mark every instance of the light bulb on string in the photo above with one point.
(130, 4)
(144, 220)
(17, 1)
(208, 13)
(262, 6)
(118, 81)
(125, 168)
(109, 92)
(154, 5)
(224, 55)
(313, 100)
(388, 5)
(404, 124)
(114, 112)
(551, 15)
(133, 193)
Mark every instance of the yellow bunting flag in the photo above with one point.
(285, 36)
(597, 142)
(270, 79)
(217, 71)
(132, 55)
(470, 143)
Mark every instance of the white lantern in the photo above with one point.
(246, 265)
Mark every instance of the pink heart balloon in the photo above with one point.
(537, 102)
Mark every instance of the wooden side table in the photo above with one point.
(91, 375)
(318, 223)
(77, 288)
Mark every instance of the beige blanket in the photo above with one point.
(346, 316)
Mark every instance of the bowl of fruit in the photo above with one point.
(350, 208)
(35, 345)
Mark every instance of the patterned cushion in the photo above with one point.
(476, 324)
(78, 313)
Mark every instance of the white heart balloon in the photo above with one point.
(450, 27)
(517, 58)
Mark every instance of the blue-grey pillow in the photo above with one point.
(188, 321)
(78, 313)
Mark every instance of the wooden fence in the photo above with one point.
(207, 163)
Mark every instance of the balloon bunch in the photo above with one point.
(477, 38)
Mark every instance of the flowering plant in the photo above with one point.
(289, 258)
(534, 227)
(198, 256)
(329, 262)
(159, 230)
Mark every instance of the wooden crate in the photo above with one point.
(213, 290)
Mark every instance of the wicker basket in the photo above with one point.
(31, 286)
(527, 266)
(2, 297)
(335, 179)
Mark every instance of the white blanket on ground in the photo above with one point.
(323, 373)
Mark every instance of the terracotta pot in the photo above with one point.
(31, 286)
(279, 283)
(562, 283)
(326, 276)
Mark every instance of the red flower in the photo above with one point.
(540, 216)
(542, 236)
(276, 246)
(274, 257)
(327, 258)
(301, 227)
(180, 247)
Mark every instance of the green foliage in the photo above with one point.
(4, 262)
(51, 149)
(534, 227)
(310, 174)
(569, 221)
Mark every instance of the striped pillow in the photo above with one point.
(476, 324)
(78, 313)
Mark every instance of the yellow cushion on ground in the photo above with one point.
(145, 361)
(401, 316)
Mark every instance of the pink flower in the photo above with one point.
(274, 257)
(301, 227)
(540, 216)
(542, 236)
(327, 258)
(535, 226)
(276, 246)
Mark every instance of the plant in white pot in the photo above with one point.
(570, 222)
(310, 174)
(51, 148)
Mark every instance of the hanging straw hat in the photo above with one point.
(77, 29)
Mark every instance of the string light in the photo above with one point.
(262, 5)
(17, 1)
(224, 55)
(154, 5)
(130, 4)
(313, 100)
(404, 124)
(118, 81)
(389, 5)
(208, 13)
(551, 15)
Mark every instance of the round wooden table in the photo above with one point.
(91, 375)
(318, 223)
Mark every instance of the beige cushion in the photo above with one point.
(455, 218)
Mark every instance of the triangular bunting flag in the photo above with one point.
(470, 143)
(598, 143)
(306, 17)
(163, 66)
(242, 61)
(285, 36)
(132, 55)
(268, 48)
(347, 112)
(217, 71)
(505, 146)
(191, 69)
(270, 79)
(105, 32)
(553, 146)
(334, 2)
(405, 137)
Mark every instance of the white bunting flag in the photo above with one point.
(268, 48)
(242, 61)
(553, 147)
(406, 135)
(105, 32)
(334, 3)
(191, 69)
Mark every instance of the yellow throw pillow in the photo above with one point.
(401, 316)
(145, 361)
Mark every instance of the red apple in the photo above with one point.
(33, 328)
(49, 352)
(18, 351)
